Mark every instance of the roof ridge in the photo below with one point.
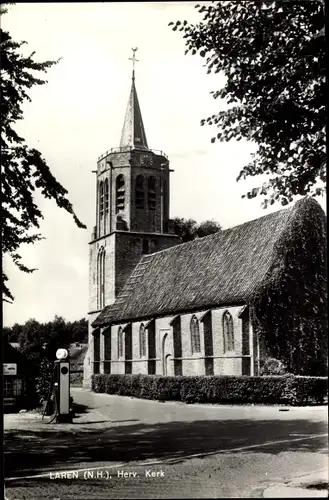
(217, 233)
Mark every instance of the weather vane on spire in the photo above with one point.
(133, 59)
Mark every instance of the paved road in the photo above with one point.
(169, 449)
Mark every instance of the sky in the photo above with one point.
(78, 115)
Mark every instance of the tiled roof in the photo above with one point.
(220, 269)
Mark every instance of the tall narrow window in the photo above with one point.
(107, 350)
(101, 199)
(106, 196)
(177, 338)
(120, 342)
(101, 278)
(208, 343)
(165, 211)
(228, 332)
(96, 350)
(142, 341)
(151, 348)
(151, 192)
(139, 191)
(120, 193)
(195, 335)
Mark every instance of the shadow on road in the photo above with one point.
(79, 408)
(29, 451)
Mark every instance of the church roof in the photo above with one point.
(225, 268)
(133, 132)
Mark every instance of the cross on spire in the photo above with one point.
(134, 60)
(133, 132)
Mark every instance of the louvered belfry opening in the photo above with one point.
(120, 193)
(151, 193)
(140, 195)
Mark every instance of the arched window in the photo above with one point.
(142, 341)
(151, 192)
(101, 278)
(101, 199)
(120, 342)
(139, 191)
(195, 335)
(228, 332)
(106, 196)
(120, 193)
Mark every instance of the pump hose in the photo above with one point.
(51, 390)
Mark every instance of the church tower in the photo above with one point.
(132, 209)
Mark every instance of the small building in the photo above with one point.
(16, 376)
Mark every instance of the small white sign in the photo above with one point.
(10, 369)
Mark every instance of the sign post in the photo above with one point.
(10, 368)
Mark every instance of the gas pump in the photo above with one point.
(62, 386)
(59, 390)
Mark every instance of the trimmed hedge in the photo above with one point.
(286, 389)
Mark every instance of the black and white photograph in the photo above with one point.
(164, 280)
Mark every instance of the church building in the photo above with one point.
(160, 307)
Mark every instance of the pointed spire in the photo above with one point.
(133, 132)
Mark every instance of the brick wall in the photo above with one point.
(226, 364)
(117, 363)
(89, 357)
(145, 219)
(139, 362)
(129, 165)
(163, 329)
(222, 363)
(108, 243)
(109, 168)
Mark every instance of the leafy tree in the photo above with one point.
(56, 331)
(12, 333)
(272, 55)
(23, 169)
(56, 336)
(39, 343)
(189, 229)
(207, 227)
(31, 340)
(79, 331)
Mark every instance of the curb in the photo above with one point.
(251, 406)
(297, 487)
(283, 491)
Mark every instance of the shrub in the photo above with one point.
(271, 389)
(43, 379)
(273, 366)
